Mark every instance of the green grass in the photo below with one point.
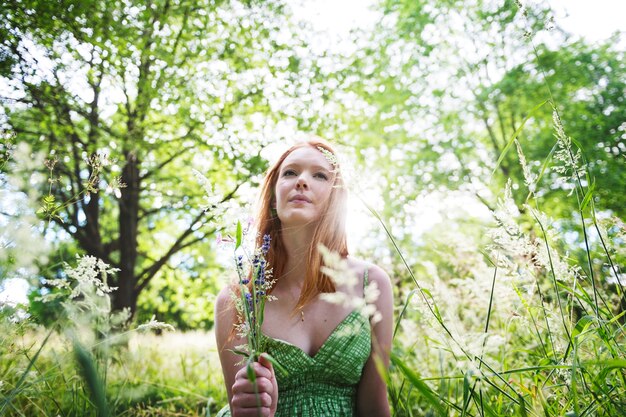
(526, 330)
(515, 327)
(173, 374)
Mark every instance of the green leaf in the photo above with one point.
(238, 352)
(92, 378)
(238, 235)
(252, 378)
(582, 325)
(250, 370)
(608, 366)
(420, 385)
(588, 195)
(516, 134)
(276, 364)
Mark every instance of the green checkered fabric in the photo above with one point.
(324, 384)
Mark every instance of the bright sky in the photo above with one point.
(592, 19)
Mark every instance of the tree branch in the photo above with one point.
(150, 173)
(144, 277)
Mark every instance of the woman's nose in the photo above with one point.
(301, 183)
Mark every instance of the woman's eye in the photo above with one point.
(322, 176)
(289, 172)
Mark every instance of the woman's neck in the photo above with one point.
(297, 243)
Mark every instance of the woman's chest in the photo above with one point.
(307, 329)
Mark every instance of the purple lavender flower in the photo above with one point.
(249, 299)
(260, 278)
(266, 244)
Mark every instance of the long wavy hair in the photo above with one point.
(330, 228)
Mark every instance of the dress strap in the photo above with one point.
(365, 278)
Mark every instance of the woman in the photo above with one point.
(329, 351)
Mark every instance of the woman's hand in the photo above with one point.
(244, 400)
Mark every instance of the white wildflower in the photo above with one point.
(90, 272)
(114, 187)
(212, 197)
(371, 293)
(493, 343)
(120, 318)
(337, 268)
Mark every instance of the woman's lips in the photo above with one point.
(300, 199)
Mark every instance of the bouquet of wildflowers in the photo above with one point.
(254, 285)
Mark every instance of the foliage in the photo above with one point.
(440, 89)
(512, 305)
(125, 99)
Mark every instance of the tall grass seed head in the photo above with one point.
(343, 276)
(154, 324)
(567, 160)
(530, 178)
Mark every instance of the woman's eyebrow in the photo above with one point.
(296, 164)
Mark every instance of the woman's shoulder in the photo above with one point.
(225, 305)
(225, 297)
(225, 317)
(379, 288)
(374, 272)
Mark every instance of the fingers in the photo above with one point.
(245, 402)
(251, 398)
(251, 412)
(260, 371)
(244, 385)
(263, 360)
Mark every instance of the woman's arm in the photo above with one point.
(241, 392)
(372, 393)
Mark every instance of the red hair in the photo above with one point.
(330, 229)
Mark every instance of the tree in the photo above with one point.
(126, 97)
(446, 86)
(586, 85)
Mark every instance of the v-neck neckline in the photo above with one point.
(330, 336)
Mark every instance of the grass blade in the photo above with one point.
(420, 385)
(92, 379)
(516, 134)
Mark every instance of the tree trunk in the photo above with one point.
(126, 296)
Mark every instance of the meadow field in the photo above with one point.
(483, 145)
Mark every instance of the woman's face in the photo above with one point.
(305, 181)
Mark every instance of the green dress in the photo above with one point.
(326, 383)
